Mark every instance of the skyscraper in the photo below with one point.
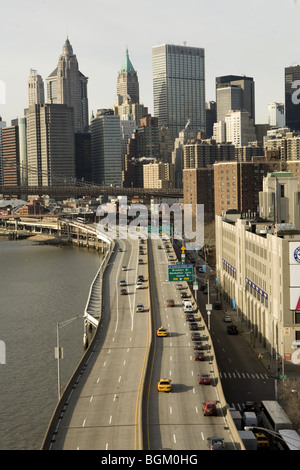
(35, 88)
(292, 97)
(241, 90)
(179, 87)
(127, 83)
(67, 85)
(50, 148)
(106, 148)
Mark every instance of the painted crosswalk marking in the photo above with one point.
(242, 375)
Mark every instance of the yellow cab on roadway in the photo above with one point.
(164, 385)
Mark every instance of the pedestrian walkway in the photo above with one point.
(289, 369)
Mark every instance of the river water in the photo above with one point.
(40, 286)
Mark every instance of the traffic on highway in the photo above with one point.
(150, 380)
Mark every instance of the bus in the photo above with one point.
(274, 417)
(290, 440)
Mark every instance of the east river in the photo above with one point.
(40, 286)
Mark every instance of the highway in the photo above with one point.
(103, 411)
(175, 420)
(115, 404)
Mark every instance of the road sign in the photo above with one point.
(180, 272)
(161, 229)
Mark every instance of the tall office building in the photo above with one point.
(67, 85)
(2, 124)
(106, 148)
(239, 96)
(127, 83)
(179, 87)
(50, 148)
(35, 88)
(10, 155)
(276, 117)
(292, 97)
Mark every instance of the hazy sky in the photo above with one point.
(257, 38)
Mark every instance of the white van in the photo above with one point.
(249, 418)
(188, 306)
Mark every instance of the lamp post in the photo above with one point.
(59, 351)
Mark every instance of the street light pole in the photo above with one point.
(59, 350)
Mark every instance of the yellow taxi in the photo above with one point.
(162, 331)
(262, 440)
(164, 385)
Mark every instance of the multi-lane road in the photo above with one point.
(103, 411)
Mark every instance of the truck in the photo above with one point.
(237, 419)
(249, 440)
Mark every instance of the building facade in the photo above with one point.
(67, 85)
(258, 266)
(50, 145)
(179, 87)
(106, 148)
(35, 89)
(241, 92)
(127, 82)
(158, 175)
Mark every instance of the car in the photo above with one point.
(164, 385)
(123, 292)
(204, 379)
(215, 443)
(217, 306)
(184, 295)
(120, 250)
(162, 331)
(170, 303)
(262, 440)
(199, 346)
(227, 318)
(209, 408)
(180, 286)
(139, 285)
(140, 261)
(122, 282)
(194, 326)
(249, 406)
(140, 278)
(171, 258)
(140, 308)
(159, 247)
(195, 336)
(232, 330)
(199, 356)
(190, 317)
(124, 268)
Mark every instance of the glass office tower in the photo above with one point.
(179, 87)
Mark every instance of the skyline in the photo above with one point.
(258, 41)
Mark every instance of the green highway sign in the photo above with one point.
(180, 272)
(159, 229)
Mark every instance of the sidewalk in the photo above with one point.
(289, 369)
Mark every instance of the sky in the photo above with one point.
(256, 38)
